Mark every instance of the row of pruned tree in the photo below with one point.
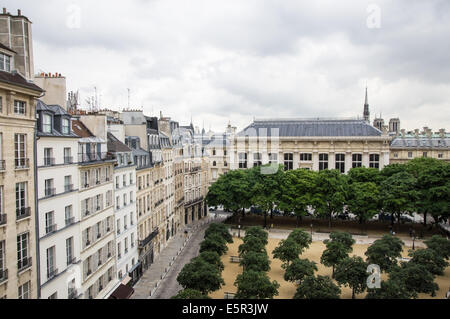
(203, 274)
(422, 185)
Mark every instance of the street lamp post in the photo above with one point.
(239, 231)
(311, 230)
(414, 238)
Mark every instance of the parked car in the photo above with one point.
(212, 209)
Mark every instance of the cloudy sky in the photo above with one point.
(234, 60)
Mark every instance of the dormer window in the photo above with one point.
(47, 123)
(65, 126)
(5, 62)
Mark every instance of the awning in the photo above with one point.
(122, 292)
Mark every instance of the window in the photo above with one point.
(124, 180)
(24, 291)
(119, 251)
(242, 160)
(395, 155)
(2, 259)
(49, 222)
(47, 123)
(51, 262)
(374, 161)
(66, 126)
(440, 155)
(5, 62)
(68, 183)
(356, 160)
(323, 162)
(257, 159)
(21, 200)
(68, 215)
(1, 104)
(273, 158)
(340, 162)
(49, 190)
(1, 204)
(48, 157)
(69, 250)
(305, 157)
(425, 154)
(22, 252)
(410, 154)
(20, 150)
(20, 107)
(214, 163)
(288, 161)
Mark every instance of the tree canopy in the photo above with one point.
(299, 269)
(255, 285)
(200, 275)
(352, 272)
(320, 287)
(384, 252)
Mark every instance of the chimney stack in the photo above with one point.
(442, 132)
(416, 132)
(4, 10)
(19, 12)
(429, 132)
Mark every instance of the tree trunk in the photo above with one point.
(243, 213)
(298, 218)
(271, 213)
(265, 219)
(332, 274)
(425, 219)
(329, 221)
(353, 293)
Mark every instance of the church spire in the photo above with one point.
(366, 108)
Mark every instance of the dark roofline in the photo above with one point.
(4, 47)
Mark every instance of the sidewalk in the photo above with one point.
(155, 274)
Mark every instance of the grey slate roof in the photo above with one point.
(55, 110)
(421, 142)
(114, 145)
(312, 128)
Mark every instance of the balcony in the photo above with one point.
(68, 188)
(72, 294)
(49, 161)
(68, 159)
(3, 219)
(52, 273)
(23, 264)
(22, 213)
(49, 192)
(22, 163)
(50, 229)
(149, 238)
(70, 221)
(94, 157)
(2, 165)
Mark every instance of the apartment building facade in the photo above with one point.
(58, 204)
(18, 263)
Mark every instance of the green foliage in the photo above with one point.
(352, 272)
(344, 238)
(440, 245)
(384, 252)
(214, 242)
(251, 243)
(432, 261)
(364, 175)
(364, 200)
(219, 229)
(257, 232)
(255, 285)
(301, 238)
(415, 277)
(320, 287)
(256, 261)
(287, 251)
(330, 193)
(299, 269)
(212, 258)
(297, 191)
(200, 275)
(190, 294)
(334, 253)
(390, 289)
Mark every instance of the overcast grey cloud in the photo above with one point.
(233, 60)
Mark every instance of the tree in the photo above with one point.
(390, 289)
(190, 294)
(266, 190)
(302, 238)
(364, 175)
(255, 285)
(257, 232)
(297, 192)
(363, 200)
(432, 186)
(384, 252)
(221, 230)
(330, 193)
(287, 251)
(299, 269)
(398, 194)
(343, 237)
(212, 258)
(214, 242)
(252, 243)
(432, 261)
(415, 277)
(334, 254)
(352, 272)
(201, 276)
(440, 245)
(256, 261)
(320, 287)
